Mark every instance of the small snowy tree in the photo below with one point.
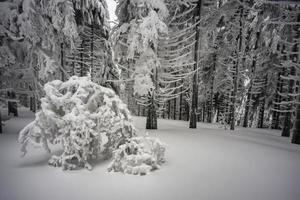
(138, 156)
(90, 121)
(87, 119)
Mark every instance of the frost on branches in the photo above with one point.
(90, 121)
(87, 119)
(139, 155)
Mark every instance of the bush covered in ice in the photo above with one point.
(139, 155)
(87, 119)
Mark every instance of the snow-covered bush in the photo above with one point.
(87, 119)
(139, 155)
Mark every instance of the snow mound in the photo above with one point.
(139, 155)
(87, 119)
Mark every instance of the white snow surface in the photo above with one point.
(207, 163)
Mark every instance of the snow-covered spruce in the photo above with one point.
(139, 155)
(87, 119)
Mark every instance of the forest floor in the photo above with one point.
(207, 163)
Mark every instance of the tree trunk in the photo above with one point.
(236, 74)
(180, 104)
(247, 107)
(1, 131)
(175, 106)
(187, 109)
(193, 115)
(296, 129)
(262, 106)
(169, 109)
(151, 116)
(82, 67)
(276, 114)
(62, 62)
(249, 95)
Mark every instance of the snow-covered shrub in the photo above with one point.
(87, 119)
(139, 155)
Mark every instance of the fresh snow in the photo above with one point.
(201, 164)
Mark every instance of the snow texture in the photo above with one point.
(87, 119)
(204, 163)
(139, 155)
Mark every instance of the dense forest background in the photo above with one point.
(235, 62)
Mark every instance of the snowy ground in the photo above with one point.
(204, 164)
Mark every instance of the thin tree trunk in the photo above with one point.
(151, 115)
(180, 104)
(296, 129)
(92, 47)
(247, 107)
(1, 131)
(210, 108)
(262, 106)
(62, 61)
(288, 115)
(193, 117)
(236, 75)
(82, 67)
(175, 106)
(169, 109)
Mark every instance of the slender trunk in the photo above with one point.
(62, 61)
(288, 115)
(262, 104)
(169, 109)
(236, 74)
(204, 111)
(249, 95)
(193, 117)
(1, 131)
(210, 109)
(151, 115)
(296, 129)
(175, 106)
(247, 107)
(82, 67)
(218, 106)
(187, 109)
(180, 104)
(274, 123)
(92, 48)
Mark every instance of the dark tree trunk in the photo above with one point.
(217, 100)
(262, 104)
(210, 108)
(204, 112)
(247, 107)
(0, 123)
(180, 104)
(62, 61)
(169, 109)
(288, 115)
(296, 129)
(187, 109)
(193, 117)
(276, 114)
(151, 116)
(175, 106)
